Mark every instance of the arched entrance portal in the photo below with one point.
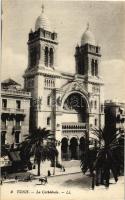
(74, 124)
(82, 145)
(73, 148)
(64, 148)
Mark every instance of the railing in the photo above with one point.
(17, 128)
(20, 110)
(73, 127)
(15, 92)
(12, 110)
(6, 109)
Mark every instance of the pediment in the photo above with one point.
(74, 86)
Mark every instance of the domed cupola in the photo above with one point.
(88, 37)
(43, 22)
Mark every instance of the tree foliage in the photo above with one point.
(105, 158)
(40, 145)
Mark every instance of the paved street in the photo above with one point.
(69, 186)
(72, 180)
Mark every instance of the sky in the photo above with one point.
(69, 20)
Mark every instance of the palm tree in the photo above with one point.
(107, 157)
(40, 145)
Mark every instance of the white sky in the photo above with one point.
(68, 19)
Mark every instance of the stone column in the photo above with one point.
(77, 150)
(69, 151)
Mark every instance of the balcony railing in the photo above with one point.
(73, 127)
(17, 128)
(20, 110)
(16, 92)
(6, 109)
(12, 110)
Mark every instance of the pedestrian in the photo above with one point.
(64, 169)
(16, 178)
(93, 181)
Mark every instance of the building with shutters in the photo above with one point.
(14, 113)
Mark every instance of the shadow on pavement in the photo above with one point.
(83, 182)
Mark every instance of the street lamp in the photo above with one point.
(57, 143)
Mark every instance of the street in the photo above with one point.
(71, 180)
(70, 186)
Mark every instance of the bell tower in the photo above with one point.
(87, 55)
(42, 44)
(40, 75)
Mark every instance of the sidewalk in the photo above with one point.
(69, 169)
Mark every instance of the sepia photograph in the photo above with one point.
(62, 100)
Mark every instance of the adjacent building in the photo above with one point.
(114, 117)
(67, 104)
(14, 113)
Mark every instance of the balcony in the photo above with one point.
(19, 111)
(11, 92)
(5, 110)
(12, 110)
(72, 127)
(17, 128)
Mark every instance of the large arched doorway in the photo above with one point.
(73, 148)
(82, 145)
(64, 148)
(75, 122)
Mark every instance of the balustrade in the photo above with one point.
(73, 127)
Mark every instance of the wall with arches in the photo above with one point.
(72, 148)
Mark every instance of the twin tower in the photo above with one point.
(79, 100)
(42, 49)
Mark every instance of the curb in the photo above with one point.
(64, 174)
(52, 176)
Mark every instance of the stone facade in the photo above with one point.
(67, 104)
(15, 113)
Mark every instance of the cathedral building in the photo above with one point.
(69, 105)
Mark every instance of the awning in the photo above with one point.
(14, 156)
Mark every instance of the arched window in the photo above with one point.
(92, 67)
(91, 104)
(46, 56)
(48, 121)
(51, 57)
(48, 101)
(95, 122)
(96, 68)
(102, 108)
(49, 83)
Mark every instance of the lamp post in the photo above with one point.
(54, 123)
